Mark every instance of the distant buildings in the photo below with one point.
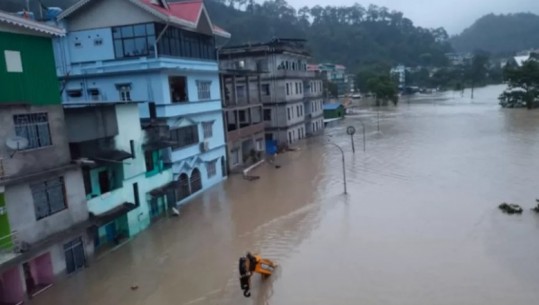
(399, 73)
(335, 74)
(242, 92)
(291, 95)
(43, 212)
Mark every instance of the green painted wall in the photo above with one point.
(37, 84)
(334, 114)
(4, 226)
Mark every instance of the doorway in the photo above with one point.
(104, 183)
(74, 255)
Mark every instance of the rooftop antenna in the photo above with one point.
(16, 144)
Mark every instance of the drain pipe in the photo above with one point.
(158, 39)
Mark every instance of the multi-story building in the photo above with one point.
(126, 183)
(291, 95)
(43, 212)
(242, 111)
(333, 73)
(350, 80)
(161, 55)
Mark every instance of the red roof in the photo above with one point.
(185, 13)
(187, 10)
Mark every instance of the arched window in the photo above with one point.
(196, 181)
(182, 190)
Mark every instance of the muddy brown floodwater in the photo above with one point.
(420, 224)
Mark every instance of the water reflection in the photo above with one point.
(420, 224)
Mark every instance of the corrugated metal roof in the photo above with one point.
(31, 25)
(332, 106)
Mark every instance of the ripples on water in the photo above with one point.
(419, 226)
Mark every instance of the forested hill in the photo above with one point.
(500, 34)
(355, 36)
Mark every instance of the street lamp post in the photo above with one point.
(343, 166)
(351, 130)
(364, 140)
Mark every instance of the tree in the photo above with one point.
(384, 89)
(478, 69)
(523, 85)
(331, 89)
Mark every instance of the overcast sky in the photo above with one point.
(453, 15)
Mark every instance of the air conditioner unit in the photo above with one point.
(204, 146)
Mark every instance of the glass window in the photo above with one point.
(35, 128)
(184, 136)
(208, 129)
(150, 29)
(139, 30)
(211, 168)
(265, 89)
(127, 31)
(148, 159)
(49, 197)
(133, 41)
(203, 88)
(267, 114)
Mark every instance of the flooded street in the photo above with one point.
(420, 223)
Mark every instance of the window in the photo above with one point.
(74, 93)
(211, 168)
(132, 147)
(94, 94)
(289, 117)
(208, 129)
(203, 88)
(124, 91)
(265, 89)
(297, 89)
(180, 43)
(260, 145)
(267, 114)
(297, 111)
(287, 89)
(134, 40)
(235, 156)
(135, 194)
(240, 91)
(35, 128)
(13, 61)
(148, 159)
(178, 89)
(184, 136)
(49, 197)
(289, 137)
(300, 87)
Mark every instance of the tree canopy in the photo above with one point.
(523, 85)
(500, 34)
(355, 36)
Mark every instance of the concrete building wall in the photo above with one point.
(90, 45)
(144, 87)
(31, 160)
(101, 13)
(21, 209)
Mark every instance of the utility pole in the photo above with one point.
(343, 166)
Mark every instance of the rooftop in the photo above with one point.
(185, 14)
(32, 25)
(332, 106)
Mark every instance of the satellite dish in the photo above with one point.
(17, 143)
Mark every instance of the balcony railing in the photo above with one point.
(292, 73)
(182, 109)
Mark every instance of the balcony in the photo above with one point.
(293, 74)
(187, 108)
(109, 201)
(243, 132)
